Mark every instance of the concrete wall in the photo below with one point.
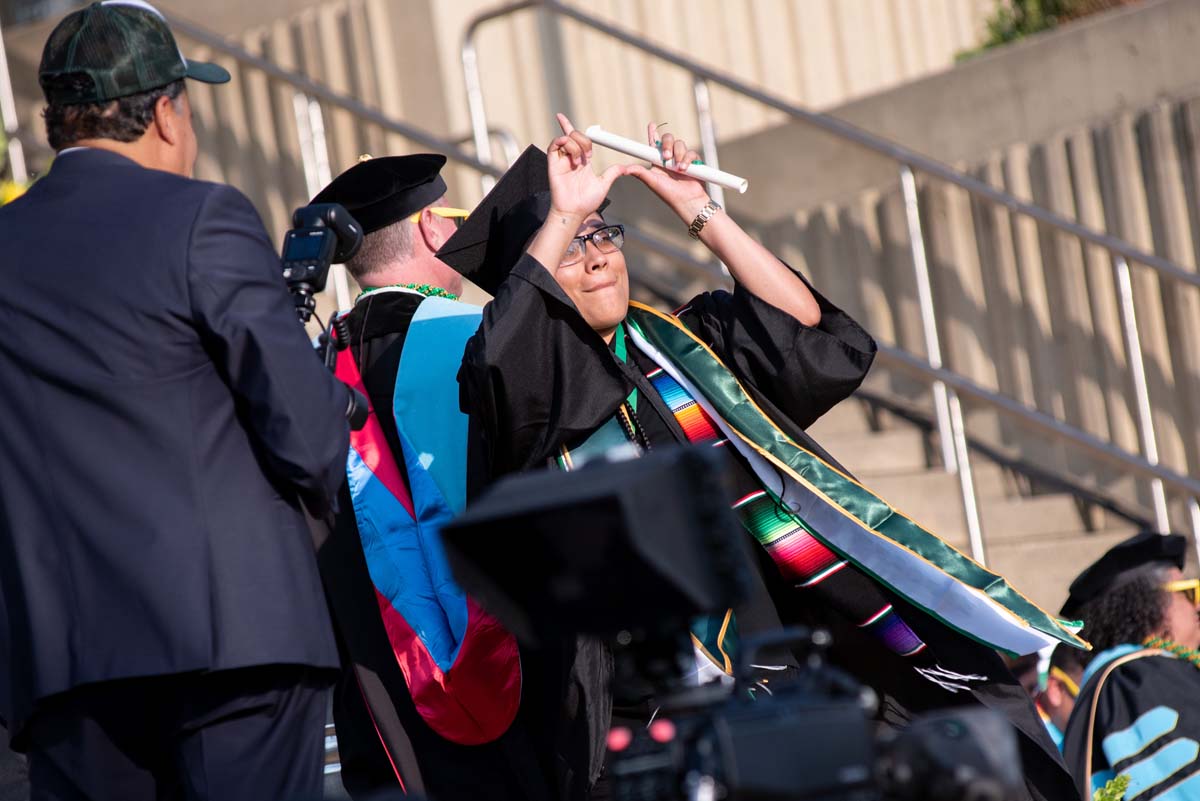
(1100, 122)
(814, 52)
(402, 56)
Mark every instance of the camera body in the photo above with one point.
(808, 737)
(322, 234)
(629, 552)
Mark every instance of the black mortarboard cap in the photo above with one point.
(1144, 548)
(490, 243)
(379, 192)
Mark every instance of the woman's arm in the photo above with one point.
(750, 264)
(575, 192)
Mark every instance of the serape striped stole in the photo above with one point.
(799, 556)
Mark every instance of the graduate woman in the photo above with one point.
(563, 367)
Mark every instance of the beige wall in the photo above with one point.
(402, 56)
(814, 52)
(1101, 123)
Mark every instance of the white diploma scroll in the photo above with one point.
(651, 154)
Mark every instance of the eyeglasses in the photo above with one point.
(1191, 587)
(449, 212)
(1066, 681)
(609, 239)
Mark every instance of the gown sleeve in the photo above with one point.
(535, 374)
(804, 370)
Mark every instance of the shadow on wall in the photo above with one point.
(1027, 311)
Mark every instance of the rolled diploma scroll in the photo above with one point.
(652, 155)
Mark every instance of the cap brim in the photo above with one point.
(205, 72)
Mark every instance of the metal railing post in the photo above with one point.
(308, 162)
(708, 141)
(1141, 388)
(8, 115)
(708, 133)
(314, 158)
(966, 480)
(476, 109)
(916, 239)
(508, 143)
(951, 429)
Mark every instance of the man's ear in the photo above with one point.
(431, 232)
(166, 120)
(1054, 693)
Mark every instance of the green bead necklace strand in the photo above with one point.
(428, 290)
(1162, 643)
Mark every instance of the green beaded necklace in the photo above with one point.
(1162, 643)
(428, 290)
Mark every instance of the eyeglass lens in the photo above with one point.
(606, 240)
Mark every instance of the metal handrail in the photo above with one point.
(891, 357)
(451, 149)
(1040, 422)
(836, 127)
(323, 93)
(508, 143)
(948, 411)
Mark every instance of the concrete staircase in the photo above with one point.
(1038, 542)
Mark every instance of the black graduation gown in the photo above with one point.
(380, 733)
(536, 376)
(1161, 695)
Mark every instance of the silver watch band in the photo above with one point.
(706, 214)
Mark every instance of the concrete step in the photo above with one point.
(1042, 569)
(1022, 518)
(848, 417)
(868, 454)
(1038, 543)
(930, 498)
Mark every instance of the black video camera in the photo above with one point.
(631, 552)
(322, 235)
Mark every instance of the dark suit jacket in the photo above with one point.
(161, 411)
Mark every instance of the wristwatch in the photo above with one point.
(706, 214)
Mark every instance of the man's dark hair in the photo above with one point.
(124, 119)
(1128, 613)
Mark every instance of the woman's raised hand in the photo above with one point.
(683, 193)
(575, 188)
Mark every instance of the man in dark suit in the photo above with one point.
(162, 418)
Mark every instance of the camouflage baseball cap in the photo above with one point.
(115, 48)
